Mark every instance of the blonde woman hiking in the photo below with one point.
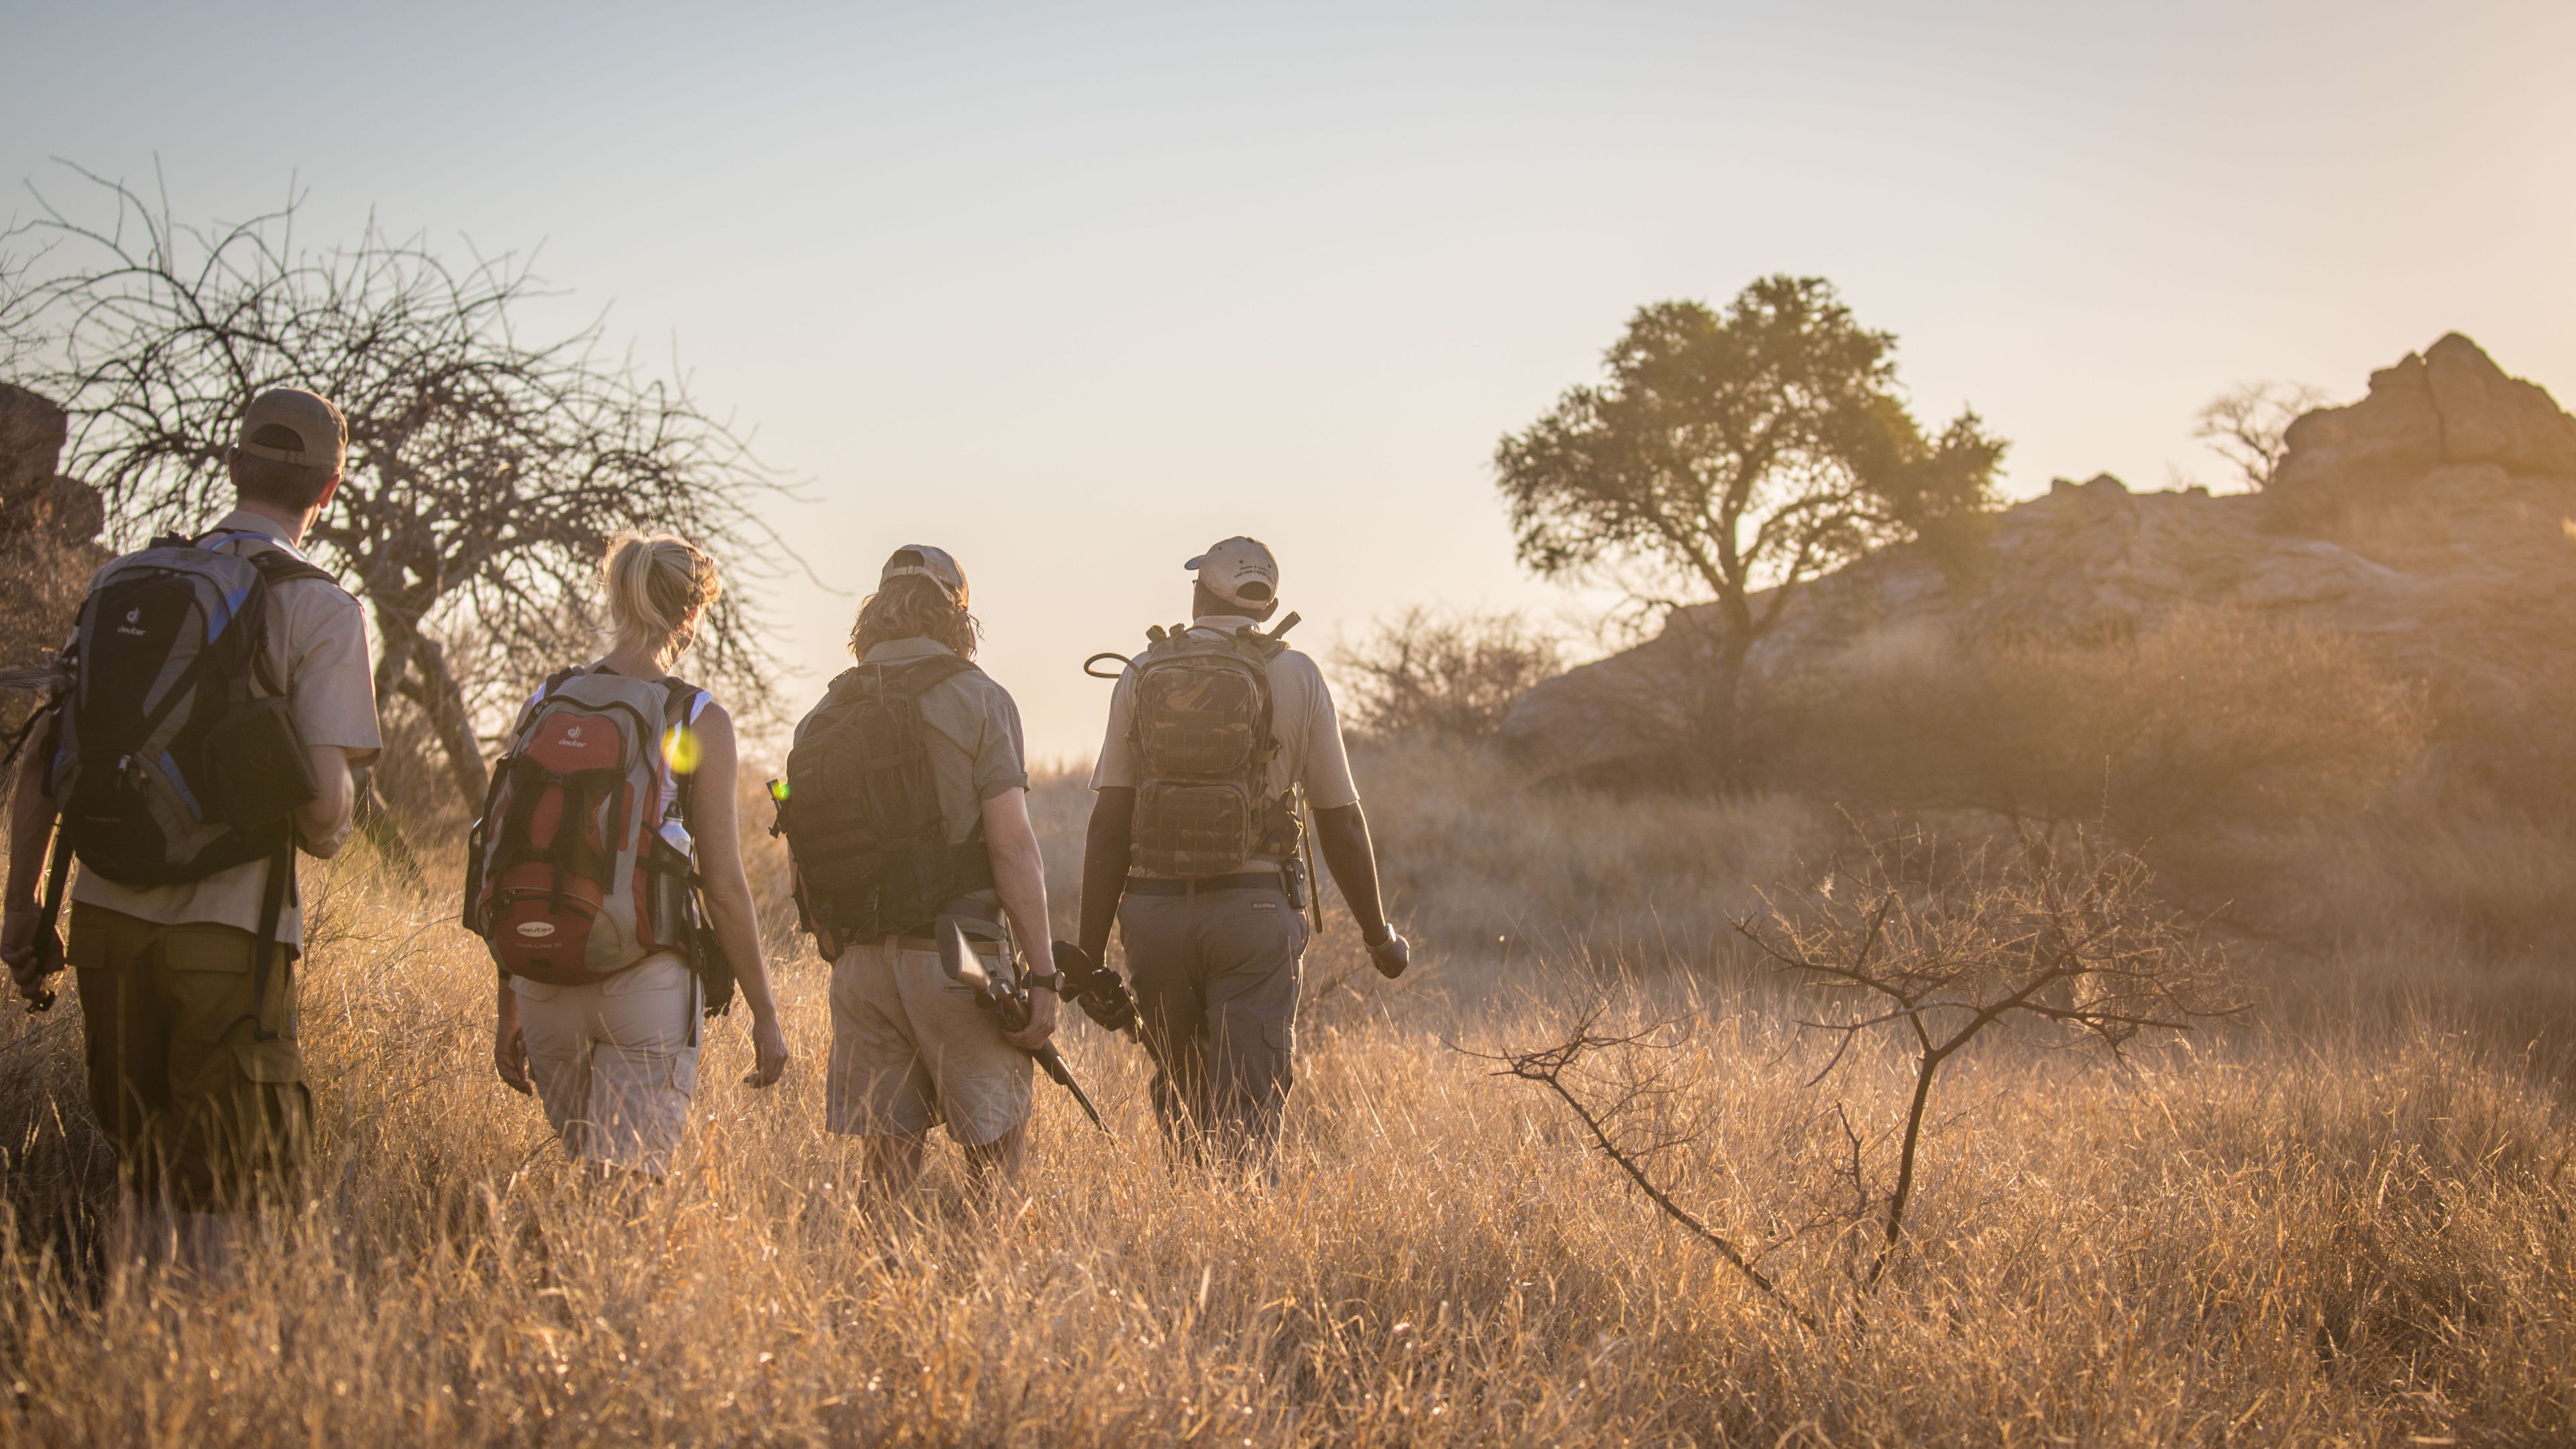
(606, 875)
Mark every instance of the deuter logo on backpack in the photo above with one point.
(580, 865)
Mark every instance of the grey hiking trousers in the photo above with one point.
(1215, 976)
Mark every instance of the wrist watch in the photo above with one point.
(1051, 981)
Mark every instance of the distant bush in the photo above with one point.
(1428, 672)
(2214, 719)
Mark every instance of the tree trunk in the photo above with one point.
(415, 667)
(1717, 750)
(443, 696)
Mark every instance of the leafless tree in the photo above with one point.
(486, 472)
(2249, 425)
(1941, 946)
(1433, 673)
(1935, 946)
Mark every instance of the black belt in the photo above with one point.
(1156, 885)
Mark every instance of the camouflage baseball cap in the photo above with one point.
(290, 425)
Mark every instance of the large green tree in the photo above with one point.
(1729, 456)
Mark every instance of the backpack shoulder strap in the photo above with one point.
(936, 670)
(277, 567)
(551, 683)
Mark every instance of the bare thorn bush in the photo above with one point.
(2249, 425)
(1939, 946)
(1432, 673)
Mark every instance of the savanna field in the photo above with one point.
(2337, 1215)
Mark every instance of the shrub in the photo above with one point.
(1432, 673)
(2214, 719)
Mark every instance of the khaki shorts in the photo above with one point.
(911, 1048)
(200, 1109)
(616, 1061)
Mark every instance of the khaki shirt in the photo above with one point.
(1301, 719)
(317, 644)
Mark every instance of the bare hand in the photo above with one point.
(769, 1051)
(1391, 955)
(1042, 1014)
(26, 964)
(510, 1054)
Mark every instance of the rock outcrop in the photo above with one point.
(34, 498)
(2434, 520)
(48, 530)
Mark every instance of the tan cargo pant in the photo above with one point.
(1216, 977)
(911, 1048)
(203, 1113)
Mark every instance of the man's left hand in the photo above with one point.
(1391, 954)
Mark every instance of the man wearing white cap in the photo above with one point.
(1214, 733)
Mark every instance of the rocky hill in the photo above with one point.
(2434, 520)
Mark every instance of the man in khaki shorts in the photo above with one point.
(911, 1048)
(197, 1078)
(1215, 953)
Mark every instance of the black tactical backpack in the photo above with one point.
(176, 755)
(1203, 741)
(861, 810)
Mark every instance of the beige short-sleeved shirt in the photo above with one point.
(1301, 719)
(317, 644)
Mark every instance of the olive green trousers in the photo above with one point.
(205, 1115)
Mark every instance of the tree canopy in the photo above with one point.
(1730, 452)
(1737, 450)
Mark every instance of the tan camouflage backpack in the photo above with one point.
(1203, 744)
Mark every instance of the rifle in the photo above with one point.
(957, 957)
(49, 936)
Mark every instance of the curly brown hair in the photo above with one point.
(913, 607)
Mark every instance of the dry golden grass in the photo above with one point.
(2364, 1238)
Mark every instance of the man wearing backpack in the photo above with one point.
(1214, 733)
(906, 807)
(217, 697)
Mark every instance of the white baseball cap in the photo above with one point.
(920, 560)
(1239, 571)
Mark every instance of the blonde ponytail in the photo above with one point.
(656, 585)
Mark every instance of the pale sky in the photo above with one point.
(1073, 291)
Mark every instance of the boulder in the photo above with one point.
(32, 434)
(2434, 520)
(34, 498)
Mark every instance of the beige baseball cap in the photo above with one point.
(926, 562)
(1239, 571)
(290, 425)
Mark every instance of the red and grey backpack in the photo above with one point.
(582, 864)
